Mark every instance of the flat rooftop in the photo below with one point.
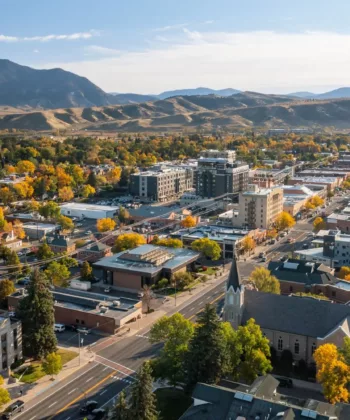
(320, 179)
(90, 207)
(214, 232)
(93, 302)
(39, 226)
(149, 259)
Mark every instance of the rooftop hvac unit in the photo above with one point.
(103, 310)
(116, 303)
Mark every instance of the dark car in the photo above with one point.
(284, 382)
(97, 414)
(13, 409)
(88, 407)
(23, 282)
(305, 246)
(71, 327)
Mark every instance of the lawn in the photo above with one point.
(34, 372)
(209, 271)
(172, 403)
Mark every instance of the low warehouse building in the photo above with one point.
(88, 211)
(35, 230)
(131, 270)
(90, 310)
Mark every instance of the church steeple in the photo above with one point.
(234, 296)
(234, 279)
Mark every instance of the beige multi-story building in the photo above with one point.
(11, 342)
(259, 207)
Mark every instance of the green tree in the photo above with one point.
(92, 179)
(123, 214)
(265, 282)
(175, 332)
(120, 411)
(86, 271)
(58, 274)
(44, 252)
(207, 359)
(36, 310)
(69, 262)
(207, 247)
(65, 222)
(4, 396)
(13, 260)
(143, 400)
(6, 289)
(255, 351)
(345, 350)
(52, 365)
(50, 210)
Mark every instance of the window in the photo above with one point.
(291, 288)
(280, 344)
(296, 347)
(333, 294)
(313, 348)
(77, 321)
(82, 322)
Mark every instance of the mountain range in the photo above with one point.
(56, 99)
(243, 110)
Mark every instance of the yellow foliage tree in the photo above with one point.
(25, 166)
(344, 272)
(271, 233)
(284, 221)
(87, 190)
(128, 241)
(113, 176)
(66, 193)
(248, 244)
(263, 280)
(333, 373)
(18, 229)
(319, 223)
(63, 179)
(188, 222)
(24, 189)
(104, 225)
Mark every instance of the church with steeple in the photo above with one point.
(297, 324)
(234, 297)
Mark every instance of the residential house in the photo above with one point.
(61, 243)
(94, 251)
(10, 240)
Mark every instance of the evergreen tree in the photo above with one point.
(92, 180)
(86, 271)
(120, 411)
(208, 355)
(143, 401)
(37, 314)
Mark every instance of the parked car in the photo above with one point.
(88, 407)
(83, 330)
(107, 289)
(264, 259)
(305, 246)
(59, 328)
(88, 232)
(273, 241)
(13, 409)
(262, 255)
(290, 240)
(71, 327)
(20, 253)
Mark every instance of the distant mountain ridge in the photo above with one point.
(245, 110)
(343, 92)
(201, 91)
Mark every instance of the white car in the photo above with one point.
(20, 253)
(107, 289)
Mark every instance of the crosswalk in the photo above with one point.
(142, 336)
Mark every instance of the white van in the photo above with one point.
(59, 327)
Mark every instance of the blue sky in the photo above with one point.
(148, 46)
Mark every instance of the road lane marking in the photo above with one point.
(88, 380)
(32, 418)
(52, 404)
(200, 303)
(213, 301)
(82, 395)
(105, 368)
(70, 392)
(67, 418)
(59, 389)
(103, 392)
(114, 363)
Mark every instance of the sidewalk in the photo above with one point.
(27, 392)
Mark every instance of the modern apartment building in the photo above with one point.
(163, 184)
(259, 207)
(11, 342)
(218, 173)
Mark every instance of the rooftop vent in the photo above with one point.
(243, 397)
(310, 414)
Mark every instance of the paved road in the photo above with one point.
(113, 369)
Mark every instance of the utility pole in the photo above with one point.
(81, 342)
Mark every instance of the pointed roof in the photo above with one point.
(234, 278)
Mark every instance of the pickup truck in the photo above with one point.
(13, 409)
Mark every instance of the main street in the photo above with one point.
(112, 370)
(114, 366)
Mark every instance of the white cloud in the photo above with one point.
(36, 51)
(46, 38)
(170, 27)
(98, 50)
(260, 61)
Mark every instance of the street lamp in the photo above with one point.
(81, 343)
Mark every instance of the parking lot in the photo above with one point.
(71, 338)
